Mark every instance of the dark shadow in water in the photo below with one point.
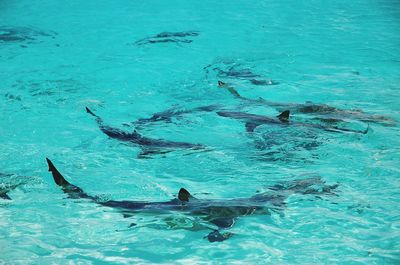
(169, 37)
(234, 70)
(23, 35)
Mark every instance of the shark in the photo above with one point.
(322, 112)
(218, 214)
(148, 145)
(168, 114)
(9, 34)
(237, 71)
(252, 121)
(165, 37)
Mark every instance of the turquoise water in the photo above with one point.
(63, 56)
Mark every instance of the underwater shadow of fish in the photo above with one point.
(168, 37)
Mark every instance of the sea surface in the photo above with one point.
(118, 58)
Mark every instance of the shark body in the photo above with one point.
(322, 112)
(169, 37)
(253, 121)
(219, 213)
(148, 145)
(168, 115)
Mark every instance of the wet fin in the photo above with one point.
(216, 236)
(127, 215)
(90, 112)
(251, 126)
(183, 195)
(223, 222)
(148, 152)
(284, 116)
(58, 178)
(5, 196)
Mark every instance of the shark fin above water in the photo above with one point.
(284, 116)
(58, 178)
(184, 195)
(70, 189)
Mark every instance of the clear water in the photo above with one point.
(81, 53)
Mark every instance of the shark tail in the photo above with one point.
(91, 112)
(98, 119)
(58, 178)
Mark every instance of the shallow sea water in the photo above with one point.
(63, 56)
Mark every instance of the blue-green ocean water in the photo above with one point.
(70, 54)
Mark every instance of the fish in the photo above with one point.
(174, 112)
(165, 37)
(236, 71)
(9, 34)
(149, 145)
(252, 121)
(219, 214)
(321, 112)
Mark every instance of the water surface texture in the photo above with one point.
(127, 60)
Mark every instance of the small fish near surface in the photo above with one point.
(149, 145)
(217, 214)
(169, 37)
(253, 121)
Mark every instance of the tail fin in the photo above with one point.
(90, 112)
(58, 178)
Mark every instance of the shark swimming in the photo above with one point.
(174, 112)
(253, 121)
(148, 145)
(10, 34)
(322, 112)
(237, 71)
(165, 37)
(221, 214)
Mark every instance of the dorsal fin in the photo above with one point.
(220, 83)
(183, 195)
(58, 178)
(284, 116)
